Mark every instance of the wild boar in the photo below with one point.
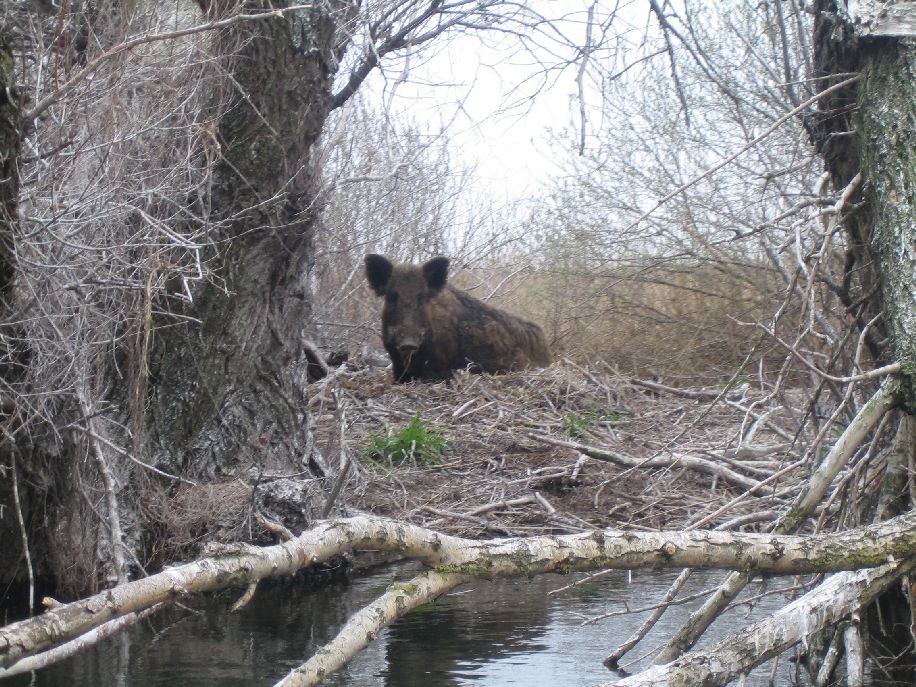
(430, 328)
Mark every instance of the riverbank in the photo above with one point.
(559, 450)
(515, 458)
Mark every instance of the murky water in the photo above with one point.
(508, 632)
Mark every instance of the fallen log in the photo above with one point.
(240, 566)
(691, 462)
(738, 653)
(808, 498)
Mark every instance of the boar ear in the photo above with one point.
(378, 272)
(436, 273)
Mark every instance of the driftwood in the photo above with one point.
(809, 497)
(455, 560)
(365, 625)
(491, 459)
(690, 462)
(75, 646)
(738, 653)
(510, 483)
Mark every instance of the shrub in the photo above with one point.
(416, 442)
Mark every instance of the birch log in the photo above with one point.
(691, 462)
(738, 653)
(365, 625)
(887, 395)
(242, 565)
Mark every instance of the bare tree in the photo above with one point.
(159, 256)
(393, 187)
(725, 215)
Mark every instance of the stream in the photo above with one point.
(506, 632)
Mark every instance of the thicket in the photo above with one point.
(169, 246)
(680, 292)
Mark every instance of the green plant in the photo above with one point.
(416, 441)
(576, 425)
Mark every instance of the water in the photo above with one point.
(506, 632)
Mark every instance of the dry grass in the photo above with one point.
(497, 478)
(678, 320)
(683, 321)
(197, 514)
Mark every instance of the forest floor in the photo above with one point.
(514, 460)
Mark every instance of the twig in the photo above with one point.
(127, 454)
(23, 533)
(108, 479)
(245, 599)
(467, 518)
(805, 503)
(345, 461)
(779, 122)
(282, 533)
(132, 43)
(685, 393)
(691, 462)
(884, 371)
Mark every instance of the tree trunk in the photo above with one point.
(230, 392)
(870, 129)
(887, 133)
(211, 386)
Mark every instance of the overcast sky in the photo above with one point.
(496, 100)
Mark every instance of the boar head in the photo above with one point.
(407, 290)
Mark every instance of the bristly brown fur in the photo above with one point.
(430, 328)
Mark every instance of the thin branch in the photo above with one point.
(779, 122)
(132, 43)
(877, 373)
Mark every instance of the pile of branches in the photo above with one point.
(570, 448)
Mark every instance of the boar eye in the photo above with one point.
(391, 297)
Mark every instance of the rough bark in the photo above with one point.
(224, 384)
(870, 130)
(230, 391)
(218, 384)
(830, 127)
(886, 126)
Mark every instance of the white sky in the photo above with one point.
(495, 102)
(502, 113)
(499, 103)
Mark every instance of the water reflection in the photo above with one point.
(497, 633)
(481, 627)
